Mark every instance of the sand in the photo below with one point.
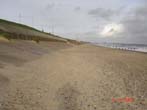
(59, 76)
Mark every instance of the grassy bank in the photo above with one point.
(12, 30)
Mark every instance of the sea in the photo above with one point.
(123, 46)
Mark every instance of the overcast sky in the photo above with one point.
(91, 20)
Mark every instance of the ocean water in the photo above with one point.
(122, 46)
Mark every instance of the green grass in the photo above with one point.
(12, 30)
(17, 24)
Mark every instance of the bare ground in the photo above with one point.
(58, 76)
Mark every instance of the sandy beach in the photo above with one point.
(60, 76)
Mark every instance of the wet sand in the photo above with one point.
(59, 76)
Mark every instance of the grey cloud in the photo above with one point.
(78, 8)
(141, 11)
(102, 13)
(136, 24)
(50, 6)
(76, 16)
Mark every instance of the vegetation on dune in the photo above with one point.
(12, 30)
(18, 25)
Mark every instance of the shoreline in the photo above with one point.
(120, 49)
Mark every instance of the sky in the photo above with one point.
(121, 21)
